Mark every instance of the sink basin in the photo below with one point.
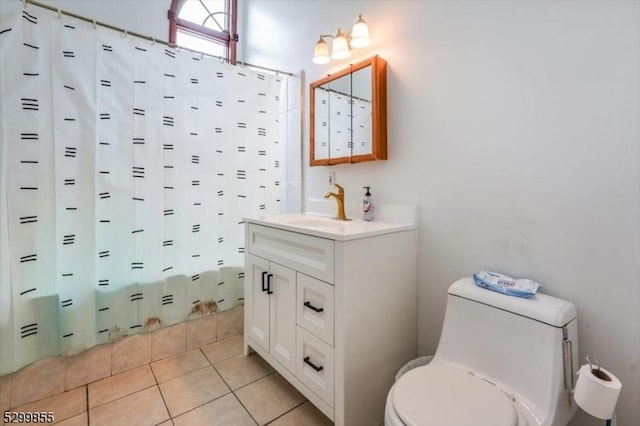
(325, 226)
(318, 223)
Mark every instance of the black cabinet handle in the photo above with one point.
(312, 365)
(313, 308)
(269, 284)
(264, 288)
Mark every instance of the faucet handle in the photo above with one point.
(340, 188)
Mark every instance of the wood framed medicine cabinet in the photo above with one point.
(348, 122)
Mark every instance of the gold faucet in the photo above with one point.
(339, 201)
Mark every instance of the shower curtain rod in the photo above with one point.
(145, 37)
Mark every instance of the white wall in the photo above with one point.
(515, 126)
(147, 17)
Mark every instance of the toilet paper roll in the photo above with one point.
(597, 393)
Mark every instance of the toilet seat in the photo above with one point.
(447, 395)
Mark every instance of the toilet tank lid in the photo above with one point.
(540, 307)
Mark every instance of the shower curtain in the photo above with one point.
(126, 169)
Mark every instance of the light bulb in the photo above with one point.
(340, 48)
(360, 34)
(321, 52)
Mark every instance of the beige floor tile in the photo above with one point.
(131, 352)
(269, 397)
(168, 423)
(224, 411)
(120, 385)
(79, 420)
(63, 406)
(88, 366)
(141, 408)
(192, 390)
(306, 414)
(37, 381)
(201, 331)
(170, 368)
(168, 341)
(230, 323)
(5, 392)
(224, 349)
(242, 370)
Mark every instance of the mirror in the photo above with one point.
(349, 115)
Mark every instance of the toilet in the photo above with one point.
(501, 361)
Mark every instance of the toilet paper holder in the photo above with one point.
(591, 360)
(599, 401)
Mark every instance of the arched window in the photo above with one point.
(208, 26)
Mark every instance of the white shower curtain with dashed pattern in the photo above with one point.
(127, 167)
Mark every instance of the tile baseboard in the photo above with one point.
(53, 375)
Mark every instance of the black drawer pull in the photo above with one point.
(313, 308)
(264, 288)
(269, 284)
(312, 365)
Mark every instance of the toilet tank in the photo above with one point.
(519, 344)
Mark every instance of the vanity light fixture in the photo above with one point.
(357, 38)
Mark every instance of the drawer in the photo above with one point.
(314, 307)
(305, 253)
(314, 364)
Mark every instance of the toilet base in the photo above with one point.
(390, 416)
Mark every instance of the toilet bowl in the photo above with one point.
(448, 395)
(501, 361)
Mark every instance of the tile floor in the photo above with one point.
(213, 385)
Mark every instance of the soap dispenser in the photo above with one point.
(367, 205)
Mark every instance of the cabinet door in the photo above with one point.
(257, 300)
(282, 283)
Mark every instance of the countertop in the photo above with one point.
(325, 227)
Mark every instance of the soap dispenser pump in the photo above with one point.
(367, 205)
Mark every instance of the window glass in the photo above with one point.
(200, 44)
(208, 13)
(204, 26)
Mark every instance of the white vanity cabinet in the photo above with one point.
(334, 313)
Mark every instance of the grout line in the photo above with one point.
(288, 411)
(221, 376)
(185, 374)
(245, 408)
(200, 406)
(123, 396)
(161, 394)
(157, 384)
(153, 374)
(205, 355)
(233, 391)
(253, 381)
(88, 410)
(219, 341)
(131, 393)
(165, 405)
